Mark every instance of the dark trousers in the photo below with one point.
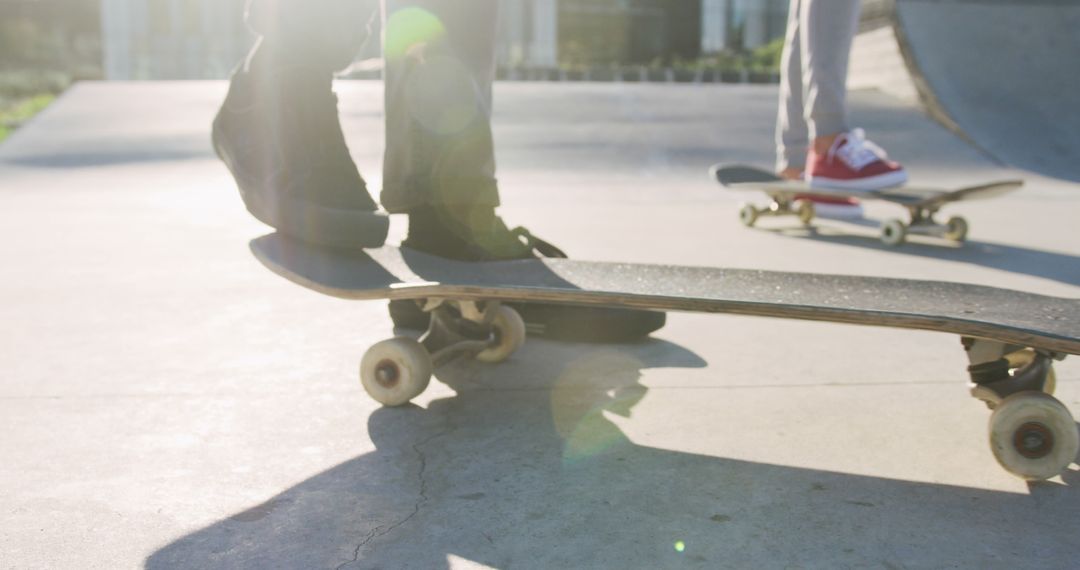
(439, 69)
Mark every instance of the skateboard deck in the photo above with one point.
(394, 273)
(921, 202)
(1011, 337)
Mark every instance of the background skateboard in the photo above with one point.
(1011, 338)
(921, 202)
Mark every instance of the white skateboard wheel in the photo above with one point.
(508, 330)
(395, 371)
(956, 229)
(748, 215)
(893, 232)
(1033, 436)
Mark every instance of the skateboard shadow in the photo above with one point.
(132, 151)
(1060, 267)
(513, 273)
(322, 265)
(524, 467)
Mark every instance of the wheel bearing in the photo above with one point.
(1033, 440)
(387, 374)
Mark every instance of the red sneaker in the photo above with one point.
(854, 163)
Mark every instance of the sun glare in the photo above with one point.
(410, 27)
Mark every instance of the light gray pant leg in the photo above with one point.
(440, 66)
(813, 81)
(828, 28)
(792, 133)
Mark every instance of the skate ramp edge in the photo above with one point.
(999, 73)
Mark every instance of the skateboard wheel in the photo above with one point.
(395, 371)
(805, 210)
(748, 215)
(508, 334)
(893, 232)
(1033, 436)
(956, 229)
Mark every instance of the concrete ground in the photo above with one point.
(167, 402)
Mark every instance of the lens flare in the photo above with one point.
(589, 387)
(410, 27)
(442, 95)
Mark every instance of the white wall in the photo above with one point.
(116, 34)
(714, 25)
(528, 34)
(544, 50)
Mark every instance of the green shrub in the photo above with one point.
(767, 57)
(22, 84)
(13, 115)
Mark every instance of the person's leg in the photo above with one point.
(828, 29)
(792, 129)
(327, 36)
(792, 132)
(840, 157)
(440, 159)
(440, 64)
(278, 129)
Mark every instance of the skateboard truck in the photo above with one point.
(458, 328)
(397, 370)
(999, 370)
(1032, 434)
(922, 203)
(893, 231)
(780, 206)
(922, 222)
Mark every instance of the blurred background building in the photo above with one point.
(550, 33)
(201, 39)
(60, 35)
(172, 39)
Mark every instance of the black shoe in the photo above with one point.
(279, 134)
(486, 239)
(472, 234)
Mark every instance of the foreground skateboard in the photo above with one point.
(1011, 338)
(922, 203)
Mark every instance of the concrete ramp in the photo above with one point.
(1004, 73)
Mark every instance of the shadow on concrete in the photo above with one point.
(91, 159)
(524, 467)
(1060, 267)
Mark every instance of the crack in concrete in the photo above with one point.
(381, 531)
